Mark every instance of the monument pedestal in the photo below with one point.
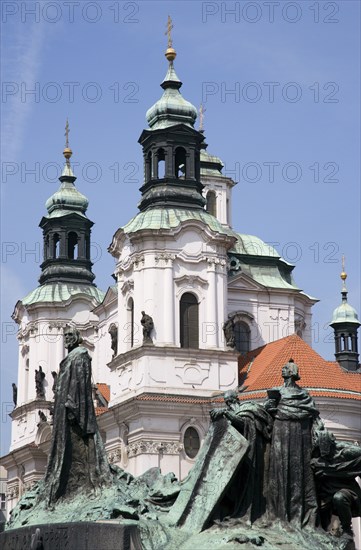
(74, 536)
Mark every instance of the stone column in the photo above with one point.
(210, 329)
(169, 319)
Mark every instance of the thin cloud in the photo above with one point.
(23, 47)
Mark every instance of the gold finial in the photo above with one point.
(67, 151)
(202, 110)
(170, 52)
(343, 274)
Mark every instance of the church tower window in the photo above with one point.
(56, 245)
(72, 245)
(180, 163)
(161, 163)
(211, 203)
(189, 324)
(242, 337)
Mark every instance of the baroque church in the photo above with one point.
(196, 309)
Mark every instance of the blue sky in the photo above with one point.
(289, 132)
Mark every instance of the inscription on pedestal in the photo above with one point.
(71, 536)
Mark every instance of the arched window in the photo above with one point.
(26, 380)
(56, 245)
(72, 245)
(130, 324)
(189, 321)
(161, 163)
(211, 203)
(242, 336)
(191, 442)
(180, 162)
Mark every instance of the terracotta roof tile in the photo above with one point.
(260, 369)
(104, 390)
(178, 398)
(100, 410)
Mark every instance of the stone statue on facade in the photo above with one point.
(42, 418)
(15, 394)
(54, 375)
(113, 331)
(228, 330)
(148, 325)
(39, 383)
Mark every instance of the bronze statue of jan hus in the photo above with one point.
(77, 460)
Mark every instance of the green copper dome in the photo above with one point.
(171, 108)
(67, 198)
(345, 314)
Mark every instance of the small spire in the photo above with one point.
(202, 110)
(170, 51)
(343, 276)
(67, 151)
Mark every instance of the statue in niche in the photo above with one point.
(148, 325)
(39, 383)
(228, 330)
(113, 331)
(77, 459)
(15, 394)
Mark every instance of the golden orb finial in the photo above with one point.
(343, 273)
(67, 151)
(170, 53)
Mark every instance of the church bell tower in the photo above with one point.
(66, 232)
(345, 324)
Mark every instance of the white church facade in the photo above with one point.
(185, 272)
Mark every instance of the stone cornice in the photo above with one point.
(30, 406)
(179, 353)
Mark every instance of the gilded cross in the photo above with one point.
(170, 26)
(67, 134)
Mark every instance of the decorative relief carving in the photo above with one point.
(31, 328)
(191, 281)
(138, 259)
(13, 491)
(154, 447)
(114, 455)
(58, 325)
(127, 286)
(217, 262)
(165, 257)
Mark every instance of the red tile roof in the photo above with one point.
(260, 369)
(104, 390)
(100, 410)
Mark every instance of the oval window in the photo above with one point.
(191, 442)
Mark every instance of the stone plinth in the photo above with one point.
(74, 536)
